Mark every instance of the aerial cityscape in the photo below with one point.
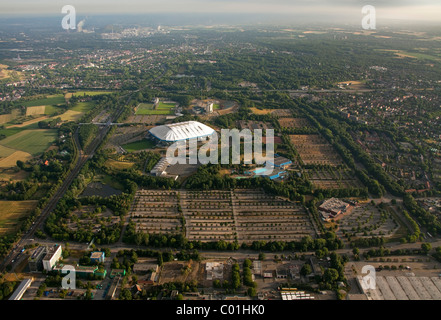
(220, 157)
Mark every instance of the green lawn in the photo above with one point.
(31, 141)
(10, 132)
(49, 101)
(138, 145)
(51, 110)
(83, 106)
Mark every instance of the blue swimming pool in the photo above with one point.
(260, 170)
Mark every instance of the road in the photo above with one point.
(82, 159)
(39, 222)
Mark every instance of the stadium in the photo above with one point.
(170, 133)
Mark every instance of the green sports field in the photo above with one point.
(162, 109)
(138, 145)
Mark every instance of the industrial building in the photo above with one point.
(97, 257)
(18, 293)
(215, 270)
(52, 256)
(333, 207)
(280, 162)
(36, 259)
(181, 131)
(160, 168)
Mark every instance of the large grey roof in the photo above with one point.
(181, 131)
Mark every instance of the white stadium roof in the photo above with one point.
(181, 131)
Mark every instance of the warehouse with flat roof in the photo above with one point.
(18, 293)
(181, 131)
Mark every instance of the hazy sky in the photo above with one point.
(429, 10)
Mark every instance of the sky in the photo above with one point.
(338, 10)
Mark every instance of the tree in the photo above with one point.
(426, 247)
(160, 259)
(216, 283)
(306, 269)
(330, 275)
(261, 256)
(247, 263)
(252, 292)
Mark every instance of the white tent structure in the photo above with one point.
(181, 131)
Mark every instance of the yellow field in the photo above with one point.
(261, 112)
(11, 212)
(5, 118)
(5, 151)
(31, 111)
(11, 160)
(3, 72)
(70, 115)
(119, 164)
(9, 174)
(27, 123)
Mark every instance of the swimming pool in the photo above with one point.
(260, 170)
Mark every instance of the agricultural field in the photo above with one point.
(82, 106)
(243, 215)
(30, 141)
(4, 72)
(36, 110)
(315, 150)
(12, 213)
(52, 100)
(11, 160)
(333, 178)
(5, 118)
(12, 175)
(28, 124)
(76, 111)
